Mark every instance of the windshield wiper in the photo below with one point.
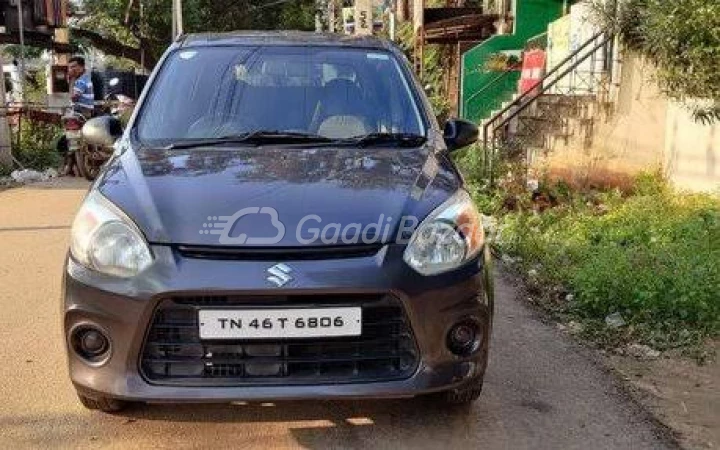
(400, 139)
(253, 137)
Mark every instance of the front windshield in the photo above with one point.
(336, 93)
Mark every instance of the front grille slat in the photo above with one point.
(391, 337)
(304, 253)
(268, 360)
(174, 354)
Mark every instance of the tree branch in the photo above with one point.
(111, 46)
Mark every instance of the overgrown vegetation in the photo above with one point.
(123, 27)
(34, 147)
(432, 76)
(682, 38)
(650, 255)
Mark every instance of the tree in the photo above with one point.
(120, 28)
(682, 38)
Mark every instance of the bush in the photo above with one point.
(652, 257)
(35, 148)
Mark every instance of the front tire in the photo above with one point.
(104, 404)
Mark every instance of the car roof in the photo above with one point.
(292, 38)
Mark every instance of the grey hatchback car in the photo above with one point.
(280, 220)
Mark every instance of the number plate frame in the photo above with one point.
(284, 323)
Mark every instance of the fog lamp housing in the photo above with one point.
(464, 338)
(90, 343)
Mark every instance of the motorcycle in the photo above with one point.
(87, 158)
(70, 144)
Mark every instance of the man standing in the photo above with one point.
(83, 101)
(83, 97)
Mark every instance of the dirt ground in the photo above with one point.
(680, 393)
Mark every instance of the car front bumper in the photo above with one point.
(124, 309)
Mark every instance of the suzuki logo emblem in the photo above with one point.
(279, 275)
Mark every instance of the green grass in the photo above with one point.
(652, 255)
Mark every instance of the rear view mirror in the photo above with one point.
(104, 131)
(459, 133)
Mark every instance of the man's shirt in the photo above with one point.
(83, 87)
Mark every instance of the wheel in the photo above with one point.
(80, 163)
(104, 404)
(87, 165)
(463, 396)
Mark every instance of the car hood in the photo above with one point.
(277, 196)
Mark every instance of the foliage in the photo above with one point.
(432, 76)
(707, 115)
(651, 256)
(35, 88)
(35, 148)
(151, 30)
(475, 164)
(682, 38)
(13, 51)
(499, 62)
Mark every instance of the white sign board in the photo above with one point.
(363, 17)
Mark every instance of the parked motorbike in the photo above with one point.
(88, 158)
(71, 143)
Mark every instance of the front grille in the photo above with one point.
(174, 354)
(279, 253)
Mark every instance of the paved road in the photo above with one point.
(542, 391)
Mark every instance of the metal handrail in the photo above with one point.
(552, 71)
(545, 87)
(492, 82)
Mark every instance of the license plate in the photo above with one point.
(279, 323)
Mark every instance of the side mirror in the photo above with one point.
(103, 131)
(459, 133)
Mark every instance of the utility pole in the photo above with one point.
(318, 21)
(177, 19)
(393, 19)
(6, 158)
(419, 38)
(401, 10)
(21, 67)
(332, 15)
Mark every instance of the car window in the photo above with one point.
(212, 92)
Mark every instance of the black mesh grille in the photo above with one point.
(174, 354)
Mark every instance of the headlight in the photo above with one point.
(449, 237)
(103, 238)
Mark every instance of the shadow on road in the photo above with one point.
(424, 422)
(338, 412)
(419, 424)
